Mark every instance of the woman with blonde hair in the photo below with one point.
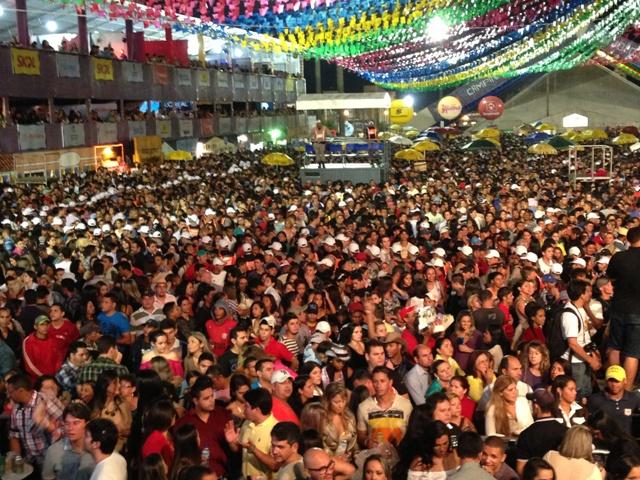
(535, 364)
(574, 458)
(456, 414)
(339, 434)
(507, 413)
(313, 417)
(197, 344)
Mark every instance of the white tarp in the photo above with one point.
(343, 101)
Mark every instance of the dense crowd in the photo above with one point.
(217, 319)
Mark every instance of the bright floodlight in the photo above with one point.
(1, 10)
(51, 26)
(437, 29)
(408, 100)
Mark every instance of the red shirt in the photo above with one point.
(42, 357)
(158, 443)
(211, 435)
(283, 412)
(468, 407)
(218, 334)
(410, 340)
(66, 334)
(533, 333)
(278, 350)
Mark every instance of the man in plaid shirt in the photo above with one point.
(108, 359)
(35, 421)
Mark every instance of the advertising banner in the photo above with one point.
(183, 77)
(103, 69)
(137, 129)
(163, 128)
(72, 135)
(133, 72)
(68, 66)
(25, 62)
(186, 128)
(107, 133)
(31, 137)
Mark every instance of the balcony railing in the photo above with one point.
(33, 73)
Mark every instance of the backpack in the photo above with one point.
(556, 343)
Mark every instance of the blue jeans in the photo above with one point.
(582, 375)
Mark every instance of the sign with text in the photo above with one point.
(103, 69)
(203, 78)
(137, 129)
(25, 62)
(183, 77)
(72, 135)
(147, 149)
(223, 80)
(161, 74)
(68, 65)
(163, 128)
(107, 132)
(133, 72)
(206, 127)
(32, 137)
(186, 128)
(254, 84)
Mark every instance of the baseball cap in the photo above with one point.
(41, 319)
(556, 269)
(574, 251)
(317, 337)
(521, 250)
(406, 311)
(492, 254)
(268, 321)
(549, 278)
(312, 308)
(615, 372)
(542, 398)
(339, 352)
(323, 327)
(279, 376)
(466, 250)
(531, 257)
(88, 328)
(579, 261)
(439, 252)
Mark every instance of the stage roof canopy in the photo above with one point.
(342, 101)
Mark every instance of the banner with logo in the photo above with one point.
(107, 132)
(25, 62)
(72, 135)
(137, 129)
(206, 127)
(238, 81)
(132, 72)
(223, 80)
(163, 128)
(32, 137)
(147, 149)
(291, 85)
(203, 78)
(68, 65)
(254, 84)
(188, 145)
(161, 74)
(186, 128)
(183, 77)
(102, 69)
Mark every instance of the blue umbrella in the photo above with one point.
(429, 135)
(537, 137)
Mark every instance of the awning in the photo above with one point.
(343, 101)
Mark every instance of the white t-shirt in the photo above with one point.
(114, 467)
(573, 327)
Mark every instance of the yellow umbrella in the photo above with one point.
(409, 154)
(542, 149)
(546, 127)
(488, 133)
(570, 134)
(277, 159)
(411, 134)
(595, 133)
(495, 141)
(395, 127)
(625, 139)
(524, 130)
(384, 135)
(426, 146)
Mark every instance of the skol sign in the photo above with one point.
(102, 69)
(25, 62)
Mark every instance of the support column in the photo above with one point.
(6, 111)
(340, 78)
(50, 108)
(22, 23)
(83, 33)
(168, 36)
(128, 28)
(318, 75)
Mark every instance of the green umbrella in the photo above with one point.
(560, 143)
(482, 144)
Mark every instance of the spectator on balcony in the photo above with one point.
(95, 50)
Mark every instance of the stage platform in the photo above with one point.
(346, 172)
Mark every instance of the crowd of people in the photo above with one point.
(218, 319)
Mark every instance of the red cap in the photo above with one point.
(406, 311)
(356, 307)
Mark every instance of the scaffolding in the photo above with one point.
(590, 163)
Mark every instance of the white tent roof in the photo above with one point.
(341, 101)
